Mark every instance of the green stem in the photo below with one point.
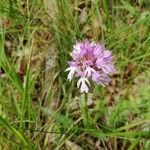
(84, 110)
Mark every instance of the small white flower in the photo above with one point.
(89, 71)
(71, 73)
(82, 84)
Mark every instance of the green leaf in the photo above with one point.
(14, 131)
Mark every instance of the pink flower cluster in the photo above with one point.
(91, 61)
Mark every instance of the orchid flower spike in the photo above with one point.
(90, 61)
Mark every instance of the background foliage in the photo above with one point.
(39, 108)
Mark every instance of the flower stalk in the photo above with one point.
(84, 109)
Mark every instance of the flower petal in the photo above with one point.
(88, 72)
(100, 78)
(82, 84)
(71, 73)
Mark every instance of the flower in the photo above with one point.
(82, 84)
(90, 61)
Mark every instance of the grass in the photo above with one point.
(39, 108)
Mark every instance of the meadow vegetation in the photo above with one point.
(39, 107)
